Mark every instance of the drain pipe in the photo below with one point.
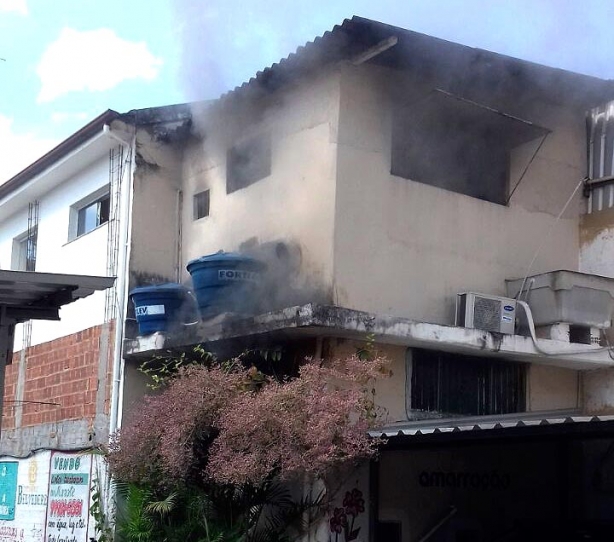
(122, 285)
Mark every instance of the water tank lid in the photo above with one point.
(225, 257)
(169, 287)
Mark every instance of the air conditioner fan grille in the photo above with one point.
(487, 314)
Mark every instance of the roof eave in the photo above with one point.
(71, 143)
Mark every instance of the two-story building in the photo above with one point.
(378, 173)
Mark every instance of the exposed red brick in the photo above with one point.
(63, 371)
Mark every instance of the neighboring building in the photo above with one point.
(378, 173)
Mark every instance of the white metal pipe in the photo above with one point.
(531, 322)
(122, 284)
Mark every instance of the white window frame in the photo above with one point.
(75, 208)
(19, 253)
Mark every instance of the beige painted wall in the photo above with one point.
(598, 391)
(552, 388)
(155, 222)
(548, 388)
(295, 204)
(389, 392)
(406, 248)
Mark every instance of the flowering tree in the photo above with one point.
(229, 425)
(212, 448)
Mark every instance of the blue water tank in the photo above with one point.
(225, 282)
(160, 307)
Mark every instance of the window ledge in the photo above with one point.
(70, 241)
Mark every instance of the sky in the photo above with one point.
(66, 61)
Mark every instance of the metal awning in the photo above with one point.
(26, 295)
(562, 419)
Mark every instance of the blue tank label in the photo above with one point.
(149, 310)
(508, 308)
(506, 318)
(234, 274)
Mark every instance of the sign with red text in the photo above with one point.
(32, 484)
(69, 497)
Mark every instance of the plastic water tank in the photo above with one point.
(225, 282)
(159, 307)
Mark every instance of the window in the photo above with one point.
(248, 162)
(89, 213)
(455, 384)
(201, 204)
(458, 145)
(24, 252)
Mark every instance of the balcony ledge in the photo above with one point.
(313, 320)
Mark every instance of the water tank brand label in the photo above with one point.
(506, 318)
(234, 274)
(508, 308)
(149, 310)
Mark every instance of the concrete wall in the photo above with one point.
(389, 392)
(597, 243)
(294, 204)
(553, 388)
(406, 248)
(155, 214)
(598, 391)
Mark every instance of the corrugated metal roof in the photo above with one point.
(430, 56)
(480, 423)
(29, 295)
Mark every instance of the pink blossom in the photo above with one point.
(216, 425)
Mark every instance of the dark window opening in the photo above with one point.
(248, 162)
(201, 204)
(455, 384)
(457, 145)
(93, 215)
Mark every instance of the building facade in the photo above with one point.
(378, 173)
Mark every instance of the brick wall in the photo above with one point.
(64, 373)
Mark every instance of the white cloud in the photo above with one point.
(15, 6)
(19, 150)
(95, 61)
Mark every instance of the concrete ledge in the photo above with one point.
(331, 321)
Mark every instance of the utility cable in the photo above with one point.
(524, 171)
(547, 238)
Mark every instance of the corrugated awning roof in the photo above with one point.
(442, 426)
(30, 295)
(432, 57)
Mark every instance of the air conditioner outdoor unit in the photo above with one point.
(487, 312)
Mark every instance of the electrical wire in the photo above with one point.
(526, 168)
(547, 238)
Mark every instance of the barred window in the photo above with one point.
(457, 384)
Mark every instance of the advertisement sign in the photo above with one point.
(69, 497)
(30, 481)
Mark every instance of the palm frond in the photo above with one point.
(163, 507)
